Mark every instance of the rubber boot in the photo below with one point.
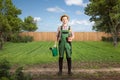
(69, 66)
(60, 65)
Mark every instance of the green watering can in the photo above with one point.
(54, 50)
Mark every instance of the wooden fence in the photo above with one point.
(79, 36)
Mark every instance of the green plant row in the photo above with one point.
(39, 53)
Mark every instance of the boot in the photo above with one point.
(60, 65)
(69, 66)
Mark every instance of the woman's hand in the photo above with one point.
(70, 39)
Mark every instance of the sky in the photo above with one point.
(47, 14)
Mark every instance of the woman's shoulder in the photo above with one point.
(59, 27)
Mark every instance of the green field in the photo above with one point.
(39, 53)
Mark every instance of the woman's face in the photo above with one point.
(65, 20)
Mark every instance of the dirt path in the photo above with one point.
(77, 67)
(54, 70)
(78, 74)
(81, 71)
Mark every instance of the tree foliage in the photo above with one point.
(29, 24)
(9, 17)
(9, 20)
(10, 23)
(106, 15)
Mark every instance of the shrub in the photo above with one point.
(19, 75)
(4, 68)
(5, 72)
(110, 39)
(26, 38)
(18, 38)
(4, 78)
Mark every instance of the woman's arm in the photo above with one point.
(72, 36)
(58, 34)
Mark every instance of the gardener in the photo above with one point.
(64, 38)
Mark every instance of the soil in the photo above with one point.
(80, 70)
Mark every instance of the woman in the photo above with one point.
(64, 38)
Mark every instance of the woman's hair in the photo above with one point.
(64, 16)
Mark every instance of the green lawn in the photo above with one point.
(38, 52)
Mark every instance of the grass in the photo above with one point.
(39, 53)
(27, 53)
(95, 51)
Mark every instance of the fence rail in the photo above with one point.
(79, 36)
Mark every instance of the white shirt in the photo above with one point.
(63, 28)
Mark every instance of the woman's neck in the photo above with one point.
(65, 25)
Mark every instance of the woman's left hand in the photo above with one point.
(69, 39)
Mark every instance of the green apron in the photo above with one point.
(64, 45)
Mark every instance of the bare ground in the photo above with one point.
(78, 74)
(81, 71)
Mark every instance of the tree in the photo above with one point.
(29, 24)
(9, 21)
(9, 16)
(106, 15)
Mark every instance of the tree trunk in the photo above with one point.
(1, 41)
(115, 41)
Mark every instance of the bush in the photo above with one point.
(19, 75)
(18, 38)
(26, 38)
(5, 72)
(110, 39)
(4, 68)
(4, 78)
